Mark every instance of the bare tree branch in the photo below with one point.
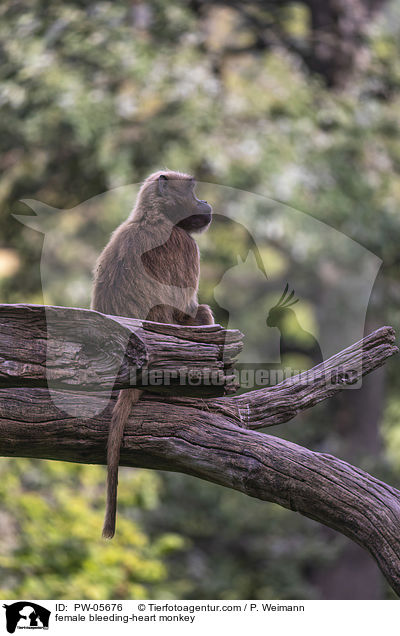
(280, 403)
(212, 447)
(209, 439)
(85, 350)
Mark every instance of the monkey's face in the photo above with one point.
(199, 221)
(182, 206)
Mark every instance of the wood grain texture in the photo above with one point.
(211, 439)
(85, 350)
(280, 403)
(213, 447)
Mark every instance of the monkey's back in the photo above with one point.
(147, 272)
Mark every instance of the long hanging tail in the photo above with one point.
(126, 399)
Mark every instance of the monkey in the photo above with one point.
(150, 270)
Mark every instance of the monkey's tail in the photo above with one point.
(126, 399)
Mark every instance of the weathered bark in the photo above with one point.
(356, 417)
(280, 403)
(204, 438)
(212, 447)
(85, 350)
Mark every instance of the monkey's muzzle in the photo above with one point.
(199, 221)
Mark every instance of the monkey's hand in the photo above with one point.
(204, 316)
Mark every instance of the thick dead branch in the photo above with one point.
(212, 447)
(280, 403)
(209, 439)
(66, 347)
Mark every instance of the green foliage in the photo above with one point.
(52, 548)
(95, 95)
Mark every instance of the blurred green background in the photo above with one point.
(297, 99)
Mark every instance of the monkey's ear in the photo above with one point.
(162, 184)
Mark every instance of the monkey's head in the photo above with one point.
(171, 194)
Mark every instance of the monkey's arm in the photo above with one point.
(199, 315)
(204, 316)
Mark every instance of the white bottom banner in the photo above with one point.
(193, 617)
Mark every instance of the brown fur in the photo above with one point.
(150, 270)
